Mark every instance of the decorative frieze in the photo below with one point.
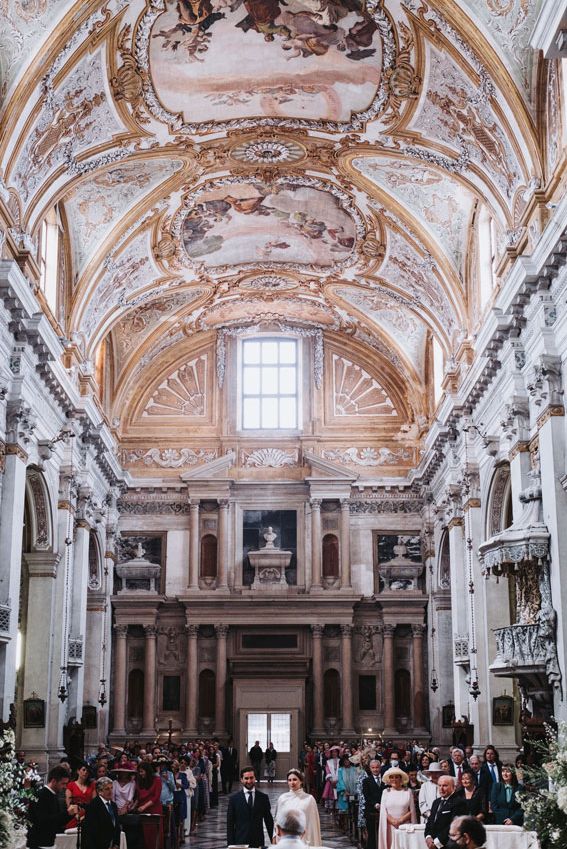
(166, 458)
(369, 456)
(386, 505)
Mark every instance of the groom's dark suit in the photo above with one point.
(246, 826)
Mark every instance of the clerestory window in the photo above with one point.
(269, 383)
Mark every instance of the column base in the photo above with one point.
(148, 732)
(389, 732)
(318, 732)
(349, 732)
(220, 733)
(190, 732)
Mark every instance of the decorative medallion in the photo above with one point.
(268, 283)
(267, 152)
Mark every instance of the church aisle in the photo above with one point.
(211, 833)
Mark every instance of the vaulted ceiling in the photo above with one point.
(221, 163)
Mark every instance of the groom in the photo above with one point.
(248, 810)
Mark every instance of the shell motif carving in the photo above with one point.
(269, 457)
(356, 393)
(183, 393)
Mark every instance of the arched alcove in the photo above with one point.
(209, 557)
(330, 556)
(402, 694)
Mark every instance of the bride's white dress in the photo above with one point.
(300, 800)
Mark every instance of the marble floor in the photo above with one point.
(211, 833)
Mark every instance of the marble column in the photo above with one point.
(315, 543)
(222, 545)
(346, 678)
(317, 654)
(307, 545)
(194, 546)
(119, 695)
(345, 544)
(221, 632)
(418, 691)
(191, 682)
(389, 717)
(150, 633)
(11, 522)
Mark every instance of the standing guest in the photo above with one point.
(490, 771)
(473, 796)
(343, 789)
(248, 812)
(468, 832)
(215, 759)
(310, 771)
(429, 790)
(179, 801)
(256, 754)
(331, 778)
(393, 761)
(424, 762)
(457, 764)
(79, 794)
(505, 806)
(228, 766)
(290, 829)
(271, 757)
(372, 788)
(101, 826)
(297, 799)
(148, 788)
(414, 786)
(443, 811)
(445, 766)
(45, 816)
(191, 783)
(475, 765)
(396, 806)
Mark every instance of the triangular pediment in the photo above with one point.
(324, 469)
(215, 469)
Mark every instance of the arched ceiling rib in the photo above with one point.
(338, 192)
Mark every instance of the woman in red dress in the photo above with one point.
(148, 802)
(78, 795)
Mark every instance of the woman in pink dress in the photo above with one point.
(396, 807)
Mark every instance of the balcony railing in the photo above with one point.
(75, 655)
(518, 647)
(461, 652)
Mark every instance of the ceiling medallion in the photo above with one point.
(267, 152)
(268, 283)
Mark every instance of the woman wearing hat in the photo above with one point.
(297, 799)
(331, 778)
(396, 807)
(428, 791)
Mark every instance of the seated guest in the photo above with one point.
(443, 811)
(45, 815)
(473, 795)
(505, 806)
(468, 832)
(100, 828)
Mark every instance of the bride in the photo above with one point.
(297, 798)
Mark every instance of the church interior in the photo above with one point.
(283, 336)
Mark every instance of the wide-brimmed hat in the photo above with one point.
(394, 770)
(335, 749)
(434, 769)
(355, 759)
(129, 768)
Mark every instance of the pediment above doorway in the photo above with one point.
(211, 479)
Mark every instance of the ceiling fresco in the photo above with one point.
(229, 164)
